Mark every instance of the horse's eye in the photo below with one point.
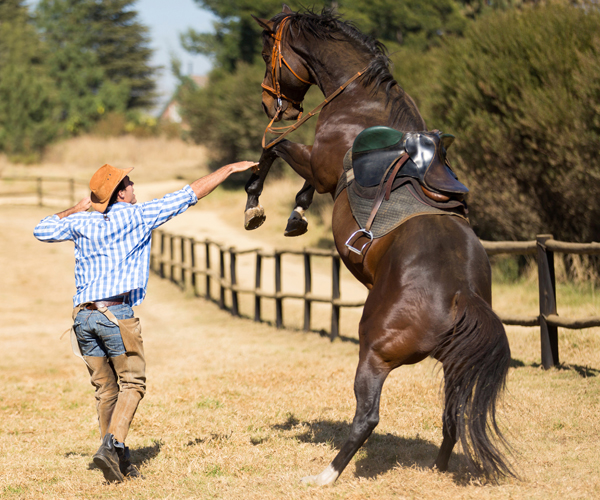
(265, 57)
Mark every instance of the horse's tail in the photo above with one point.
(476, 357)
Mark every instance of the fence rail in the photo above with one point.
(178, 254)
(38, 188)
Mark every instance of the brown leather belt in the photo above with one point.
(94, 306)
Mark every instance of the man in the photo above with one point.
(112, 260)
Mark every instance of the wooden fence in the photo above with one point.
(544, 247)
(175, 257)
(36, 188)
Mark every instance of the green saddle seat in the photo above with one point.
(375, 148)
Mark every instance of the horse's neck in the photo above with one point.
(334, 70)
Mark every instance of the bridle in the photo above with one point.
(277, 60)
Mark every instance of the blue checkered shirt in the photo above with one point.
(112, 253)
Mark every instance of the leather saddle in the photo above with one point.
(384, 158)
(423, 157)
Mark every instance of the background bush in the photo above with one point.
(521, 91)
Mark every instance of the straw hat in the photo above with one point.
(103, 184)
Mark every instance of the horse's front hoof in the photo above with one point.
(297, 225)
(254, 217)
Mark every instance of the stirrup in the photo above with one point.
(368, 234)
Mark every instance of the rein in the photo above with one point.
(276, 61)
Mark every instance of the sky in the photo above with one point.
(166, 19)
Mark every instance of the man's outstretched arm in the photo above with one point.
(205, 185)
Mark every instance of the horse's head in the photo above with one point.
(287, 78)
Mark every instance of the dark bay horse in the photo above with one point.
(429, 279)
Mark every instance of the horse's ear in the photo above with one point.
(265, 24)
(287, 10)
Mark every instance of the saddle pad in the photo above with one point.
(404, 203)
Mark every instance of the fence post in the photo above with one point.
(72, 190)
(335, 295)
(232, 271)
(172, 257)
(193, 265)
(307, 290)
(257, 284)
(208, 270)
(278, 300)
(162, 254)
(40, 192)
(182, 251)
(547, 291)
(222, 276)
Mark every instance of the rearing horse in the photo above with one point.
(429, 279)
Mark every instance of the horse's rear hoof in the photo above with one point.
(254, 218)
(327, 477)
(296, 225)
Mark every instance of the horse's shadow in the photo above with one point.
(139, 456)
(381, 453)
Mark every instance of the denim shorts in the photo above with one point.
(97, 335)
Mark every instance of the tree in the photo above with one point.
(99, 58)
(28, 103)
(417, 23)
(521, 92)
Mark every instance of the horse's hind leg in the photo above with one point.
(448, 442)
(254, 215)
(297, 224)
(367, 389)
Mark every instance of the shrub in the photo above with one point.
(522, 93)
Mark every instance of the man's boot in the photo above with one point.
(107, 460)
(127, 468)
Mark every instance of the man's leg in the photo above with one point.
(128, 369)
(104, 379)
(131, 370)
(113, 456)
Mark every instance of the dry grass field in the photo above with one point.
(239, 410)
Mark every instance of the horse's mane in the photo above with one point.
(329, 26)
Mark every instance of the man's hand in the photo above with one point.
(82, 206)
(242, 166)
(205, 185)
